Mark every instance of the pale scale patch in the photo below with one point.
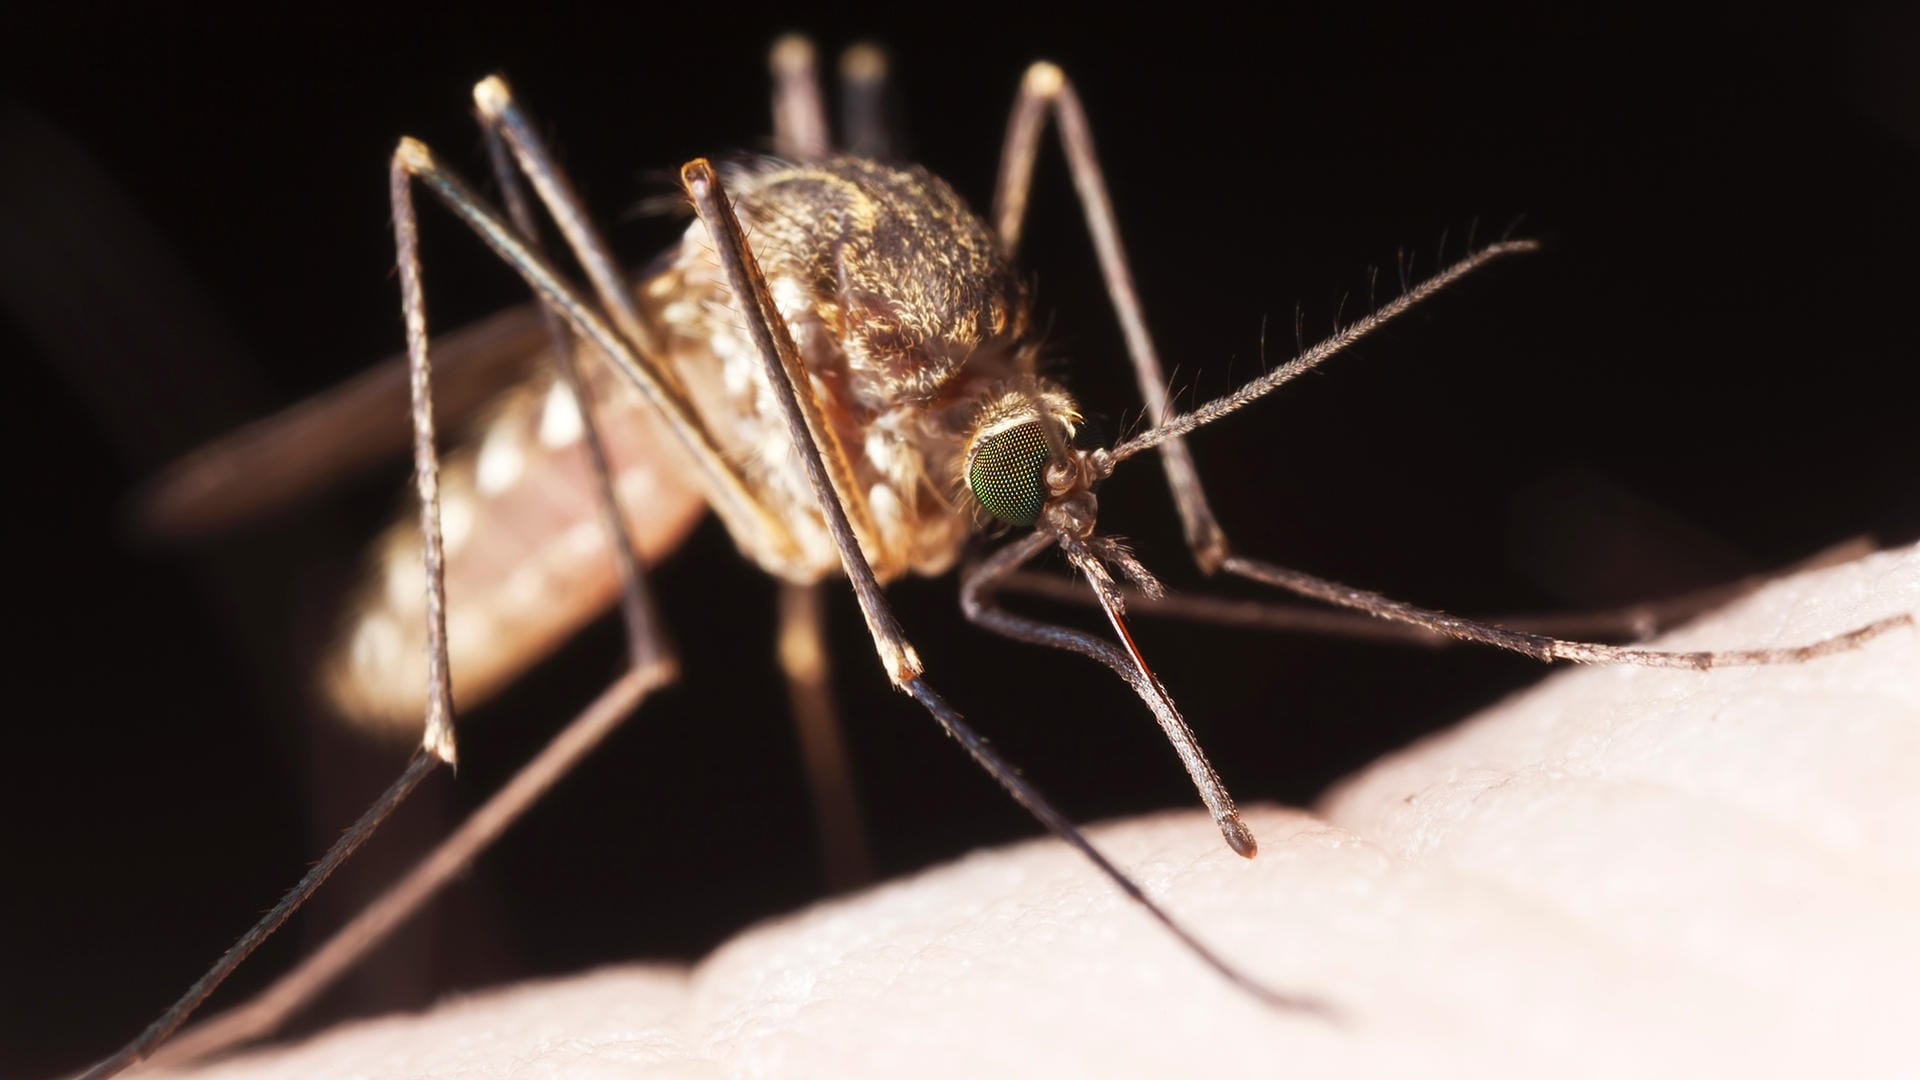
(456, 522)
(739, 367)
(680, 313)
(895, 537)
(406, 578)
(559, 418)
(502, 460)
(582, 540)
(524, 587)
(529, 583)
(467, 631)
(375, 641)
(791, 299)
(638, 487)
(888, 515)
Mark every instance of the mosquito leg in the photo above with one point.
(653, 667)
(863, 102)
(1543, 646)
(1628, 622)
(788, 379)
(437, 742)
(156, 1033)
(1213, 610)
(497, 111)
(799, 116)
(438, 739)
(722, 483)
(1028, 797)
(267, 1011)
(1045, 91)
(801, 133)
(1633, 621)
(832, 482)
(823, 747)
(977, 587)
(647, 645)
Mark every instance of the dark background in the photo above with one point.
(1708, 373)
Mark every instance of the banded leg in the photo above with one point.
(1636, 621)
(864, 126)
(1543, 646)
(799, 115)
(1045, 91)
(800, 131)
(802, 649)
(789, 383)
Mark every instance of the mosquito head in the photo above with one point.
(1023, 468)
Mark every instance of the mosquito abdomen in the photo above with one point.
(528, 559)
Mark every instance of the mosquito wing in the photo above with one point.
(295, 455)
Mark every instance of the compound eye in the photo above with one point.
(1006, 472)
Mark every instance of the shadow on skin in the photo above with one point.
(1620, 871)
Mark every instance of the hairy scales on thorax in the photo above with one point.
(907, 317)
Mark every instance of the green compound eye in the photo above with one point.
(1005, 470)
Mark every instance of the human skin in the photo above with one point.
(1622, 871)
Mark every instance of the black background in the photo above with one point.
(1709, 372)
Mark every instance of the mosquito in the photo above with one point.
(842, 363)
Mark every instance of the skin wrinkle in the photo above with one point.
(1591, 762)
(1540, 902)
(1702, 962)
(1779, 825)
(1487, 888)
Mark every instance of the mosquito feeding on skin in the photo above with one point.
(845, 361)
